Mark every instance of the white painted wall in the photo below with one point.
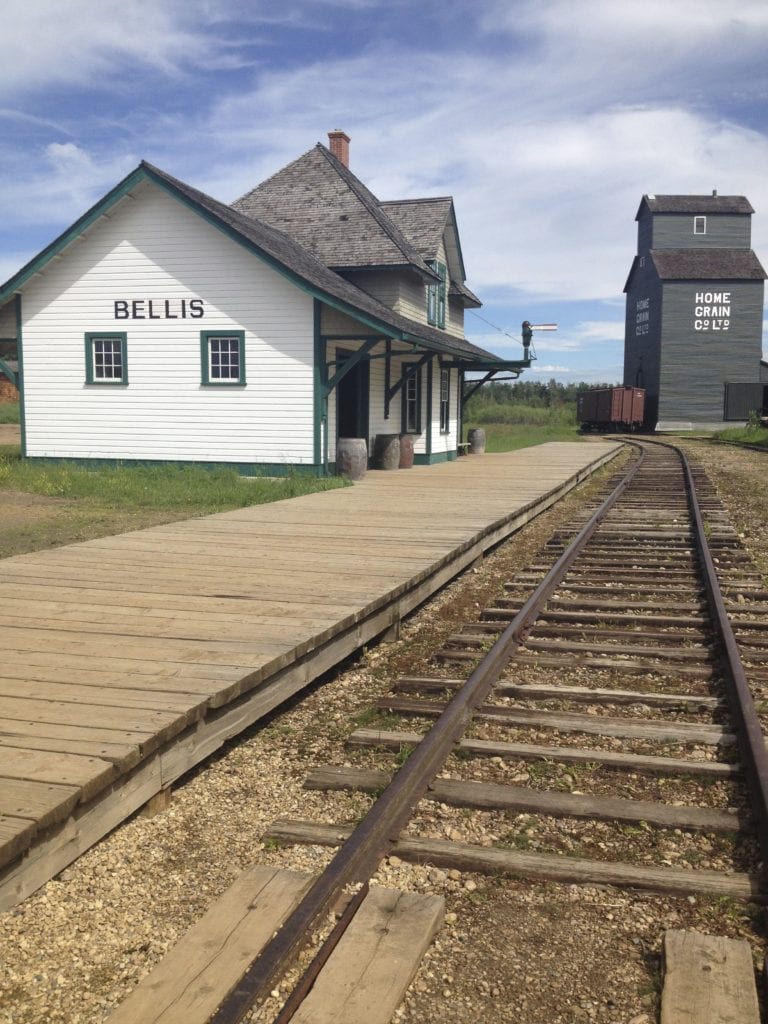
(153, 247)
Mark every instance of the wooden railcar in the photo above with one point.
(611, 409)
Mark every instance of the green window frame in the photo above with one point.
(436, 294)
(106, 358)
(222, 358)
(411, 401)
(445, 401)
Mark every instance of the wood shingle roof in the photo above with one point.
(319, 202)
(707, 264)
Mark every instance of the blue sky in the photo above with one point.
(547, 120)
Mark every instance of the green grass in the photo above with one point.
(168, 487)
(744, 435)
(507, 437)
(9, 412)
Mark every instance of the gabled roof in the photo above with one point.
(422, 221)
(703, 265)
(428, 223)
(320, 203)
(282, 252)
(702, 205)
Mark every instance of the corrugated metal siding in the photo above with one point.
(724, 231)
(743, 399)
(695, 364)
(154, 248)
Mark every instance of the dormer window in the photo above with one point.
(436, 296)
(699, 225)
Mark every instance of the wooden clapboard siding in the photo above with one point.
(127, 660)
(724, 231)
(695, 365)
(157, 249)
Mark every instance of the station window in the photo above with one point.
(445, 401)
(412, 401)
(106, 358)
(436, 296)
(222, 356)
(699, 225)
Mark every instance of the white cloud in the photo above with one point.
(551, 368)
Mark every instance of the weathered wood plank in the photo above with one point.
(40, 802)
(492, 796)
(184, 704)
(394, 740)
(368, 973)
(582, 694)
(542, 867)
(88, 774)
(633, 650)
(601, 725)
(192, 979)
(708, 979)
(631, 666)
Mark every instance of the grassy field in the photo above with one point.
(506, 437)
(48, 504)
(744, 435)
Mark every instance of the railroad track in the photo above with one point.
(598, 707)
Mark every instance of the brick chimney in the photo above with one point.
(338, 142)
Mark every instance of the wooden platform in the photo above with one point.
(128, 660)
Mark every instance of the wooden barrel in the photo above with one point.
(351, 457)
(406, 451)
(476, 438)
(386, 451)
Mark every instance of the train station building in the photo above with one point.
(694, 313)
(167, 326)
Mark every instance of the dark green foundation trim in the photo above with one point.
(434, 458)
(242, 468)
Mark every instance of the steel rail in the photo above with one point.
(742, 706)
(359, 858)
